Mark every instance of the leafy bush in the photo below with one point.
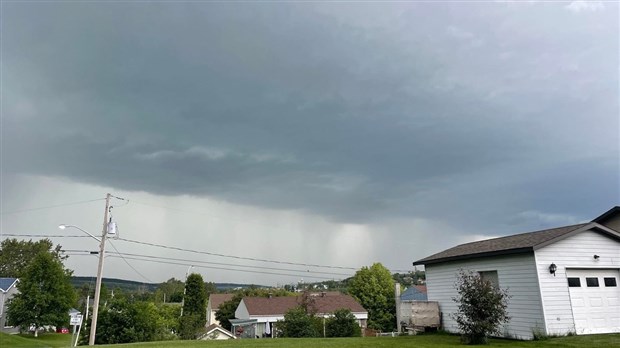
(342, 324)
(482, 307)
(298, 323)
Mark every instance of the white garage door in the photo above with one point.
(595, 298)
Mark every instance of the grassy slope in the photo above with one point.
(421, 341)
(49, 340)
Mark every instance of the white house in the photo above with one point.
(216, 332)
(8, 288)
(215, 301)
(262, 312)
(562, 280)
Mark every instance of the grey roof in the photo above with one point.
(414, 293)
(606, 215)
(518, 243)
(7, 283)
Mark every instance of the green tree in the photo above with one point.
(124, 321)
(16, 255)
(481, 307)
(298, 323)
(194, 307)
(373, 287)
(342, 324)
(45, 294)
(170, 291)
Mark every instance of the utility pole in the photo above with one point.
(185, 289)
(93, 326)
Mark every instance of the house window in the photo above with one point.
(592, 282)
(610, 282)
(490, 276)
(574, 283)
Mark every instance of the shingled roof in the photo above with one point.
(216, 300)
(518, 243)
(326, 303)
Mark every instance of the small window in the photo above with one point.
(592, 282)
(610, 282)
(490, 276)
(574, 283)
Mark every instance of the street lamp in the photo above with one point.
(93, 326)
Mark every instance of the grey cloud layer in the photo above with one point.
(354, 112)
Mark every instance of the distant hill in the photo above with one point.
(131, 285)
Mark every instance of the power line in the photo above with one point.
(45, 235)
(233, 256)
(209, 253)
(50, 206)
(225, 269)
(128, 264)
(194, 262)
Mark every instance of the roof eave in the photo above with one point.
(473, 256)
(591, 226)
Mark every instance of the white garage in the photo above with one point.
(594, 296)
(562, 280)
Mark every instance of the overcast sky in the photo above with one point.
(334, 134)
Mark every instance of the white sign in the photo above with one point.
(76, 320)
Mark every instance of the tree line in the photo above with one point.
(138, 316)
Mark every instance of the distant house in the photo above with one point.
(562, 280)
(8, 288)
(215, 301)
(216, 332)
(263, 312)
(414, 293)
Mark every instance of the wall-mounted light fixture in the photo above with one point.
(596, 257)
(553, 268)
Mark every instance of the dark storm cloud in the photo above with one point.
(465, 113)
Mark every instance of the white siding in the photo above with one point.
(242, 311)
(573, 252)
(515, 272)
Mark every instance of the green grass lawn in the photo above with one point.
(421, 341)
(46, 340)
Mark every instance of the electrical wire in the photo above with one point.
(193, 262)
(50, 206)
(225, 269)
(128, 264)
(233, 256)
(45, 235)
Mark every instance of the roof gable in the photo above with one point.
(519, 243)
(7, 283)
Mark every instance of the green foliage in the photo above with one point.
(170, 291)
(191, 326)
(342, 324)
(298, 323)
(227, 309)
(481, 307)
(123, 321)
(45, 294)
(16, 255)
(374, 289)
(194, 308)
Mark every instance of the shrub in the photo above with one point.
(297, 323)
(482, 307)
(342, 324)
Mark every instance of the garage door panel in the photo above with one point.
(596, 309)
